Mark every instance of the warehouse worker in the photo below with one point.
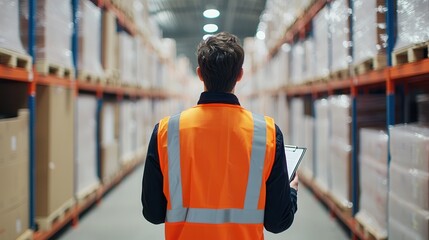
(218, 171)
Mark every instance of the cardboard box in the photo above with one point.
(14, 222)
(14, 161)
(109, 161)
(54, 148)
(109, 41)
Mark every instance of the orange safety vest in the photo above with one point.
(215, 160)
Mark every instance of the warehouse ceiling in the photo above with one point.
(183, 20)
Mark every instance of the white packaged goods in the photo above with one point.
(413, 19)
(369, 29)
(411, 185)
(142, 67)
(109, 42)
(321, 38)
(341, 117)
(127, 128)
(109, 143)
(409, 146)
(310, 60)
(9, 27)
(283, 114)
(54, 30)
(373, 179)
(127, 58)
(86, 178)
(297, 122)
(414, 221)
(89, 38)
(423, 108)
(373, 194)
(340, 170)
(339, 29)
(297, 71)
(140, 131)
(307, 166)
(322, 156)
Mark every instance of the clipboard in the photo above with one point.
(294, 155)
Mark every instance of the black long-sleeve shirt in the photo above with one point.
(281, 200)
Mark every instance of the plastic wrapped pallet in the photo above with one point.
(321, 38)
(341, 118)
(310, 60)
(127, 58)
(307, 166)
(283, 114)
(140, 145)
(340, 170)
(14, 197)
(86, 177)
(406, 221)
(283, 67)
(297, 71)
(142, 67)
(373, 180)
(109, 45)
(322, 136)
(89, 39)
(369, 29)
(127, 123)
(413, 19)
(10, 29)
(55, 124)
(109, 142)
(54, 30)
(409, 146)
(297, 121)
(339, 29)
(423, 108)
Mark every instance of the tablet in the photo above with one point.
(294, 156)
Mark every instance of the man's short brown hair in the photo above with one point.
(220, 58)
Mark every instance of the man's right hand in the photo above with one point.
(294, 183)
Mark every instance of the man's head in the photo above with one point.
(220, 61)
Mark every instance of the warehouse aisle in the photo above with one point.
(119, 217)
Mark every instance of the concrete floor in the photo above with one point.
(119, 217)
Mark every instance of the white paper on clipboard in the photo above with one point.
(294, 155)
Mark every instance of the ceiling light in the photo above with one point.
(211, 13)
(210, 28)
(207, 36)
(260, 35)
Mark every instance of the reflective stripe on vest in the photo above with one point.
(250, 214)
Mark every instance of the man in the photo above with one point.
(218, 171)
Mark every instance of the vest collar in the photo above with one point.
(218, 97)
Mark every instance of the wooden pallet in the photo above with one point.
(369, 232)
(91, 78)
(340, 74)
(112, 77)
(48, 68)
(345, 208)
(411, 54)
(27, 235)
(88, 193)
(375, 63)
(45, 223)
(15, 60)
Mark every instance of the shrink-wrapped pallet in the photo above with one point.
(89, 39)
(127, 129)
(322, 136)
(339, 18)
(297, 121)
(108, 141)
(54, 30)
(283, 114)
(9, 27)
(321, 38)
(127, 58)
(283, 67)
(310, 60)
(109, 43)
(341, 118)
(373, 180)
(142, 64)
(86, 176)
(407, 221)
(369, 29)
(307, 166)
(413, 19)
(298, 60)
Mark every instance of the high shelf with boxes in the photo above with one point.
(58, 59)
(345, 106)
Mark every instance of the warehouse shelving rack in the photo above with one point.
(33, 79)
(408, 75)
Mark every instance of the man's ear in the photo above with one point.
(240, 75)
(200, 76)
